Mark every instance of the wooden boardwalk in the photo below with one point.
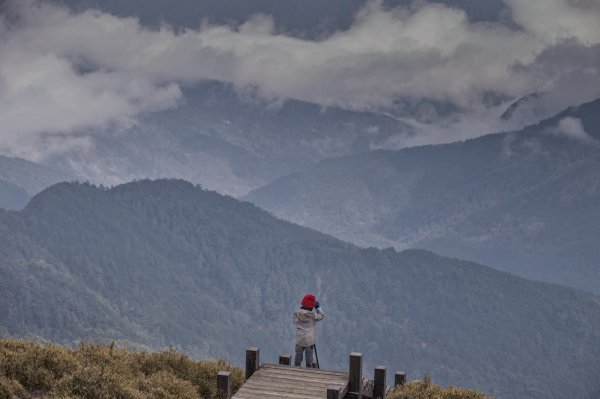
(278, 381)
(281, 380)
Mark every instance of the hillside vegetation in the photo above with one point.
(527, 202)
(425, 389)
(165, 263)
(28, 370)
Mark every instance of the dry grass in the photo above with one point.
(28, 370)
(32, 371)
(426, 390)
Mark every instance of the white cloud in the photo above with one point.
(45, 102)
(573, 128)
(63, 72)
(554, 20)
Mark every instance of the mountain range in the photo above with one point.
(302, 18)
(226, 140)
(158, 263)
(526, 201)
(511, 200)
(475, 260)
(21, 179)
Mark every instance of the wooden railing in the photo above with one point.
(356, 386)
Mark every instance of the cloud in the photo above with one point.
(46, 102)
(572, 128)
(567, 73)
(63, 72)
(555, 20)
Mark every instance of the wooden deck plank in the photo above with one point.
(290, 382)
(270, 396)
(306, 371)
(295, 383)
(292, 378)
(291, 389)
(260, 395)
(299, 377)
(279, 367)
(266, 378)
(264, 393)
(307, 377)
(298, 383)
(304, 375)
(303, 370)
(268, 393)
(277, 381)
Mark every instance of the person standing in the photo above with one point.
(306, 329)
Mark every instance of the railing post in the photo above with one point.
(379, 382)
(285, 360)
(399, 378)
(333, 392)
(252, 361)
(355, 374)
(224, 384)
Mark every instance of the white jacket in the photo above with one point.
(306, 326)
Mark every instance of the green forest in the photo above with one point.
(153, 264)
(526, 202)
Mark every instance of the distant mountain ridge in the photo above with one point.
(527, 202)
(227, 141)
(12, 196)
(21, 179)
(303, 18)
(167, 263)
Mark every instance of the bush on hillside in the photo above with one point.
(425, 389)
(28, 370)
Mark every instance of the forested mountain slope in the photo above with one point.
(527, 201)
(167, 263)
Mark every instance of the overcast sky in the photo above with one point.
(62, 72)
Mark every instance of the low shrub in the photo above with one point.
(29, 370)
(425, 389)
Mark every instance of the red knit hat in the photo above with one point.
(309, 301)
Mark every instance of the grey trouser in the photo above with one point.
(309, 355)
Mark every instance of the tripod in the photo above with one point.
(316, 357)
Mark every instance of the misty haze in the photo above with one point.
(179, 179)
